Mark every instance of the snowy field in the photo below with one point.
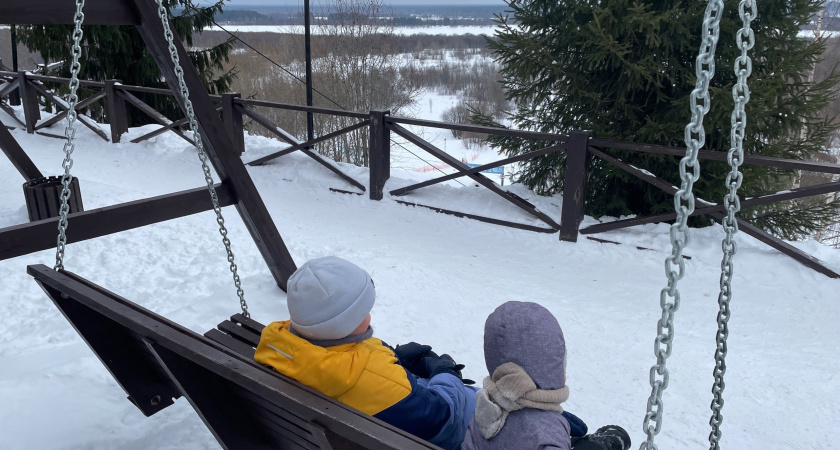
(437, 278)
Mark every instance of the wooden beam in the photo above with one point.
(477, 177)
(151, 112)
(27, 169)
(61, 12)
(505, 223)
(12, 113)
(173, 126)
(84, 120)
(31, 237)
(782, 246)
(264, 121)
(793, 194)
(302, 145)
(789, 250)
(79, 106)
(709, 155)
(494, 131)
(220, 149)
(461, 173)
(9, 87)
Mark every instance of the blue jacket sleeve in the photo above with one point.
(437, 410)
(461, 402)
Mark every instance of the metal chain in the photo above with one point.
(745, 39)
(202, 155)
(674, 264)
(70, 134)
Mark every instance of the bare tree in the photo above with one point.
(358, 68)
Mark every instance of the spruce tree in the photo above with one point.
(625, 70)
(118, 52)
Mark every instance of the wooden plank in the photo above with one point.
(79, 106)
(756, 160)
(504, 223)
(25, 167)
(294, 107)
(782, 246)
(477, 177)
(84, 120)
(12, 113)
(23, 239)
(230, 342)
(173, 126)
(220, 149)
(275, 417)
(151, 112)
(227, 417)
(495, 131)
(265, 122)
(246, 374)
(302, 145)
(146, 385)
(53, 79)
(9, 87)
(805, 259)
(232, 118)
(241, 333)
(248, 323)
(57, 12)
(808, 191)
(501, 162)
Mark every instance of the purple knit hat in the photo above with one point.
(527, 334)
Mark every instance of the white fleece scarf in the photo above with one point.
(510, 388)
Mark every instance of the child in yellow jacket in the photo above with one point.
(328, 344)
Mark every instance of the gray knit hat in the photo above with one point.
(328, 298)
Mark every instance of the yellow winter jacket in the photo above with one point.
(363, 375)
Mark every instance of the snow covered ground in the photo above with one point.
(437, 278)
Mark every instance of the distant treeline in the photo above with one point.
(404, 15)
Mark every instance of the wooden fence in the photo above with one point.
(580, 148)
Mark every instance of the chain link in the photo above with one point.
(70, 134)
(669, 297)
(202, 155)
(745, 39)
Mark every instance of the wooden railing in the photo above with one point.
(580, 148)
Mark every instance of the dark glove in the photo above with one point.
(444, 364)
(576, 426)
(411, 357)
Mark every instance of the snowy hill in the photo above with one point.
(437, 279)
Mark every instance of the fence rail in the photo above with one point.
(580, 148)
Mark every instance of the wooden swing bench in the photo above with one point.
(244, 404)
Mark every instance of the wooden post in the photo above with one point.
(117, 113)
(14, 96)
(574, 185)
(29, 98)
(232, 117)
(379, 153)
